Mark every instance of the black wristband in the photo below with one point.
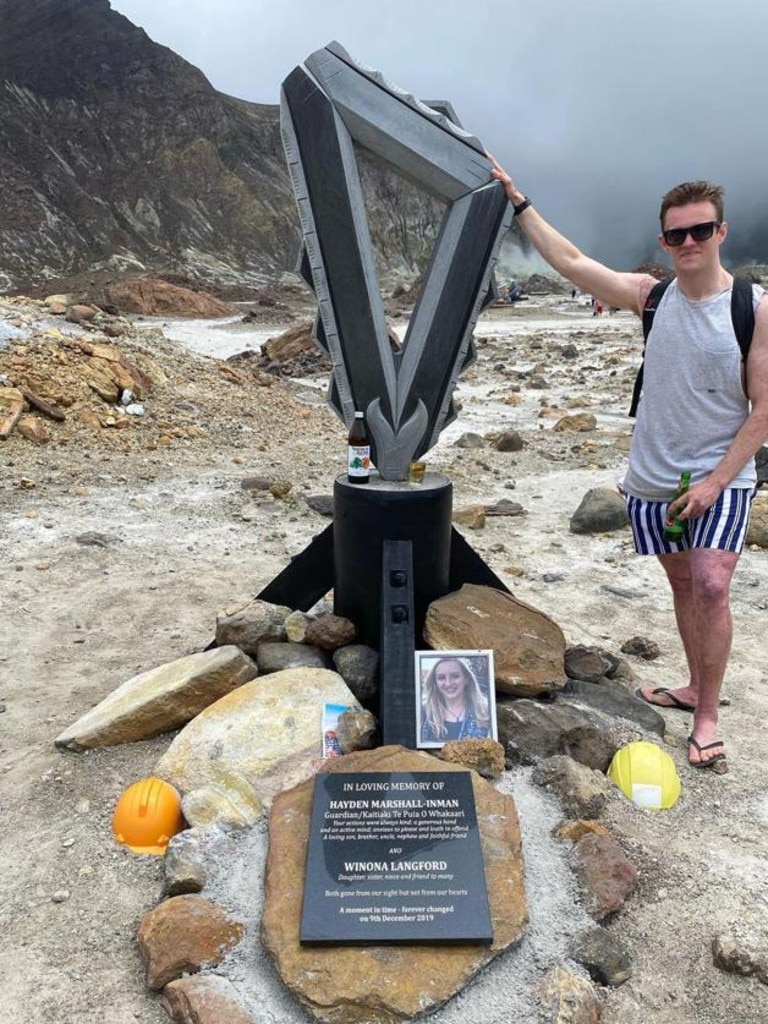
(522, 206)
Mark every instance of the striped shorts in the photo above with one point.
(723, 526)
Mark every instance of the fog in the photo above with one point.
(595, 107)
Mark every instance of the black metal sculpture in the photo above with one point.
(327, 105)
(391, 549)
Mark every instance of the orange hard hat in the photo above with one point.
(147, 815)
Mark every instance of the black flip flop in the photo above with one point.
(712, 761)
(676, 705)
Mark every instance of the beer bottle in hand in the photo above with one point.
(674, 526)
(358, 452)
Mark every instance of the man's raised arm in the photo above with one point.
(623, 290)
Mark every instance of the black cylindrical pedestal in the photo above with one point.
(367, 515)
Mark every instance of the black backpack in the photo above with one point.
(742, 317)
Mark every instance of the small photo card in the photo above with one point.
(331, 714)
(455, 697)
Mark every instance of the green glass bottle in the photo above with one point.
(674, 526)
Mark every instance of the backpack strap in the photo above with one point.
(743, 314)
(649, 311)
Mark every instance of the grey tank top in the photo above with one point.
(693, 402)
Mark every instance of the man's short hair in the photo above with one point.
(694, 192)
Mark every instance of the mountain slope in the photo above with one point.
(115, 152)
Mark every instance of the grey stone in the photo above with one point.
(742, 954)
(275, 655)
(469, 440)
(583, 793)
(509, 441)
(296, 626)
(248, 625)
(603, 955)
(531, 731)
(641, 647)
(601, 510)
(358, 666)
(586, 663)
(184, 864)
(355, 730)
(612, 699)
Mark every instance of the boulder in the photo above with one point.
(528, 647)
(153, 297)
(601, 510)
(183, 934)
(371, 984)
(530, 731)
(160, 700)
(262, 736)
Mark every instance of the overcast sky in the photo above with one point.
(596, 107)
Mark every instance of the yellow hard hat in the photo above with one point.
(147, 815)
(646, 774)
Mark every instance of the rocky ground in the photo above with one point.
(123, 534)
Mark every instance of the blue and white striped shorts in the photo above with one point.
(723, 525)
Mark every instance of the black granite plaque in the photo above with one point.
(395, 857)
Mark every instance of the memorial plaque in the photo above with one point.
(395, 857)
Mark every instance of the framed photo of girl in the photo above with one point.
(455, 697)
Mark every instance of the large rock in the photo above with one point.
(528, 647)
(183, 934)
(260, 737)
(601, 510)
(356, 984)
(530, 731)
(153, 297)
(160, 700)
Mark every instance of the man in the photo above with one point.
(701, 411)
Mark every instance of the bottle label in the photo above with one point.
(359, 460)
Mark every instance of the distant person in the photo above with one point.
(453, 705)
(701, 410)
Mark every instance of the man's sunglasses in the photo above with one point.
(698, 232)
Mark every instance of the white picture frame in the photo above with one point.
(466, 689)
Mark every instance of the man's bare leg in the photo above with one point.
(700, 582)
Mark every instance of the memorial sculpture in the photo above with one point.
(391, 549)
(328, 104)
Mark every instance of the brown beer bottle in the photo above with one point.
(674, 526)
(359, 452)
